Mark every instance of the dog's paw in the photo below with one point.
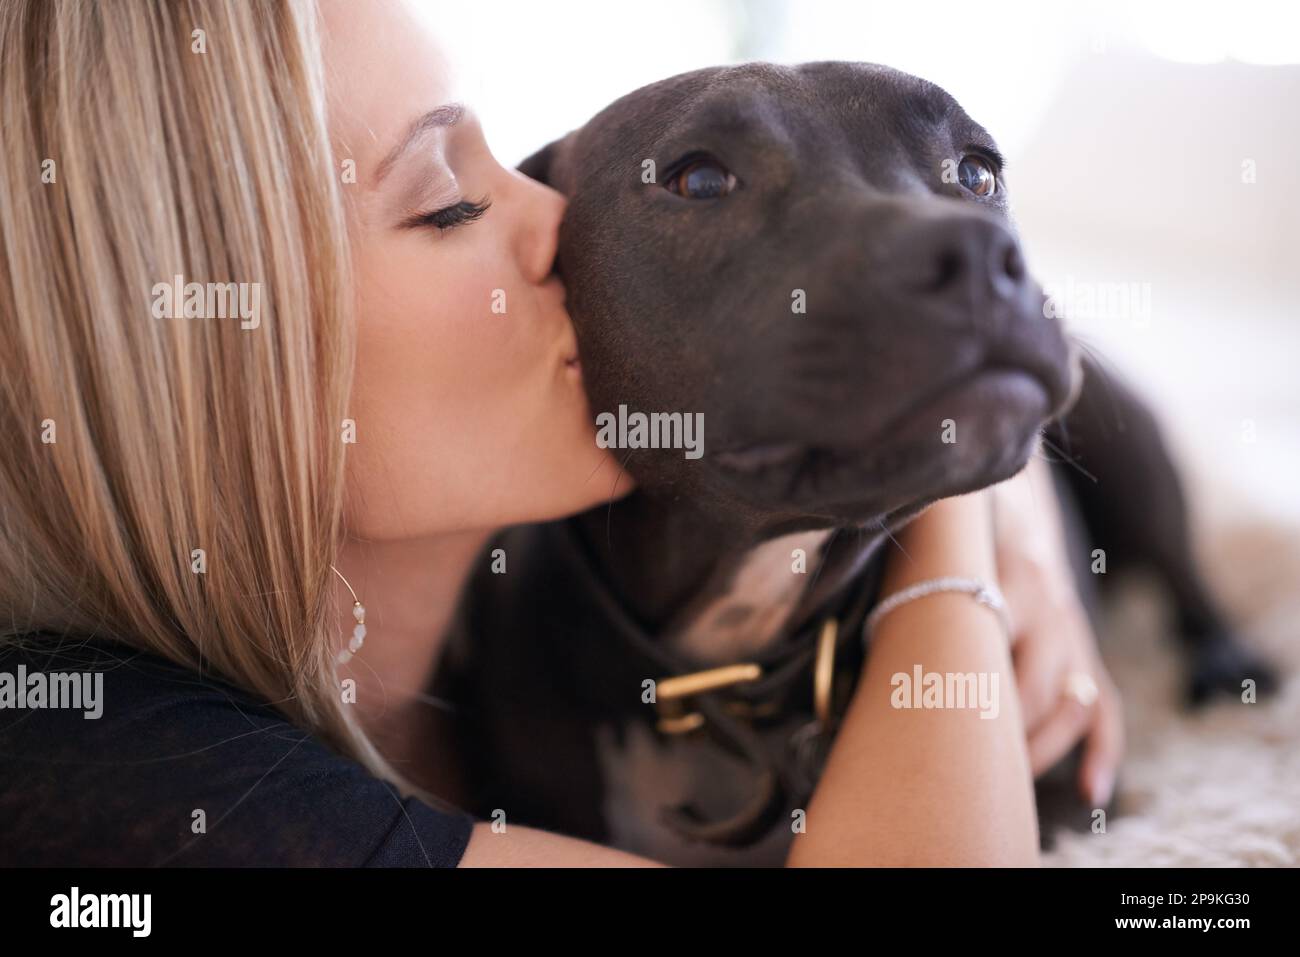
(1222, 666)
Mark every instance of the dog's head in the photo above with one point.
(819, 259)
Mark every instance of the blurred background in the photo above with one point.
(1154, 167)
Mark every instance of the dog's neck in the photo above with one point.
(733, 618)
(713, 591)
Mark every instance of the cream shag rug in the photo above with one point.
(1219, 787)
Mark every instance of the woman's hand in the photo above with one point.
(1065, 692)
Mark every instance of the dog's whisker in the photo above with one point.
(881, 522)
(1069, 459)
(609, 507)
(826, 550)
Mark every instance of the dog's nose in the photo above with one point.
(968, 259)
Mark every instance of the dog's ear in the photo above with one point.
(550, 164)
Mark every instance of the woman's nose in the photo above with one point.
(540, 210)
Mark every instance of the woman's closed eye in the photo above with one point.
(449, 217)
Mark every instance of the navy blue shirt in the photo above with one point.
(126, 788)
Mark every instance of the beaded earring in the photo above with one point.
(359, 630)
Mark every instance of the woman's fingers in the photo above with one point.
(1040, 672)
(1105, 747)
(1053, 644)
(1053, 740)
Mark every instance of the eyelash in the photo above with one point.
(449, 217)
(992, 155)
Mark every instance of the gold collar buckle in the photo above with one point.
(672, 694)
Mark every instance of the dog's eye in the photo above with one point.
(704, 178)
(975, 173)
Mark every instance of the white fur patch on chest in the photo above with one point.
(759, 599)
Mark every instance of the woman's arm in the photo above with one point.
(942, 787)
(529, 847)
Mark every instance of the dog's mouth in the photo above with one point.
(967, 433)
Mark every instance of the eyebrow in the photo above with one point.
(447, 115)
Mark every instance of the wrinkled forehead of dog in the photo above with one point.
(822, 126)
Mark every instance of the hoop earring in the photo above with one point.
(358, 632)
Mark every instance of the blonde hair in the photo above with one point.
(132, 440)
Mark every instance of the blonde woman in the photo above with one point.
(259, 417)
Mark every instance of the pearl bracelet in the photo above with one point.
(985, 594)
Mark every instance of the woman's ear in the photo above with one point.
(548, 165)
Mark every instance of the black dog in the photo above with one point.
(819, 260)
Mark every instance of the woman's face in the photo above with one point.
(467, 399)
